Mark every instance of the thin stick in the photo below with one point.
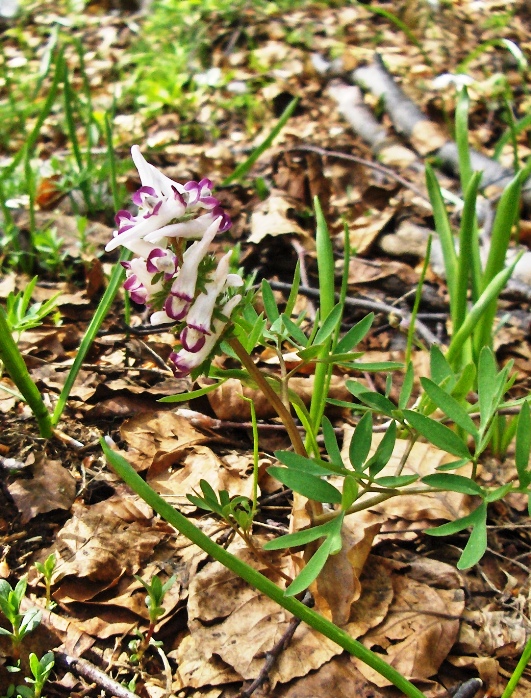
(273, 654)
(84, 668)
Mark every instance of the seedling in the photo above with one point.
(47, 569)
(40, 669)
(21, 623)
(156, 591)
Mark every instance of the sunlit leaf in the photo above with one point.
(454, 483)
(438, 434)
(355, 334)
(306, 484)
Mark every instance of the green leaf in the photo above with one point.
(360, 444)
(523, 445)
(444, 230)
(454, 483)
(487, 384)
(376, 366)
(477, 543)
(395, 481)
(355, 334)
(375, 400)
(331, 445)
(294, 540)
(294, 330)
(350, 492)
(449, 406)
(454, 465)
(184, 397)
(306, 484)
(465, 382)
(312, 569)
(301, 464)
(438, 434)
(440, 369)
(310, 352)
(384, 451)
(448, 529)
(270, 304)
(329, 324)
(290, 305)
(407, 387)
(330, 546)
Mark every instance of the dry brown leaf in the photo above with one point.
(52, 487)
(271, 218)
(365, 271)
(157, 440)
(365, 229)
(200, 463)
(427, 137)
(338, 675)
(418, 632)
(104, 541)
(338, 584)
(249, 625)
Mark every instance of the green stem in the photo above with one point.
(92, 330)
(520, 667)
(14, 364)
(270, 394)
(253, 577)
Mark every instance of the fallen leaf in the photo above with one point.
(51, 487)
(271, 218)
(418, 632)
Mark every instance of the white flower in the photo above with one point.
(185, 361)
(199, 317)
(183, 288)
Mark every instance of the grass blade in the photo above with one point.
(245, 166)
(92, 330)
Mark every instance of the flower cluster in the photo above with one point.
(179, 284)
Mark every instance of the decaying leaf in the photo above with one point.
(104, 541)
(158, 439)
(418, 632)
(51, 487)
(271, 218)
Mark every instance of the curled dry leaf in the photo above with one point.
(271, 217)
(200, 463)
(157, 440)
(52, 487)
(104, 541)
(338, 584)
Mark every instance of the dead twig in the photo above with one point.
(403, 316)
(274, 653)
(87, 670)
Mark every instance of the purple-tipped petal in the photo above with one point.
(176, 308)
(192, 339)
(140, 195)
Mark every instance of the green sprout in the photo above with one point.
(46, 568)
(21, 623)
(156, 591)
